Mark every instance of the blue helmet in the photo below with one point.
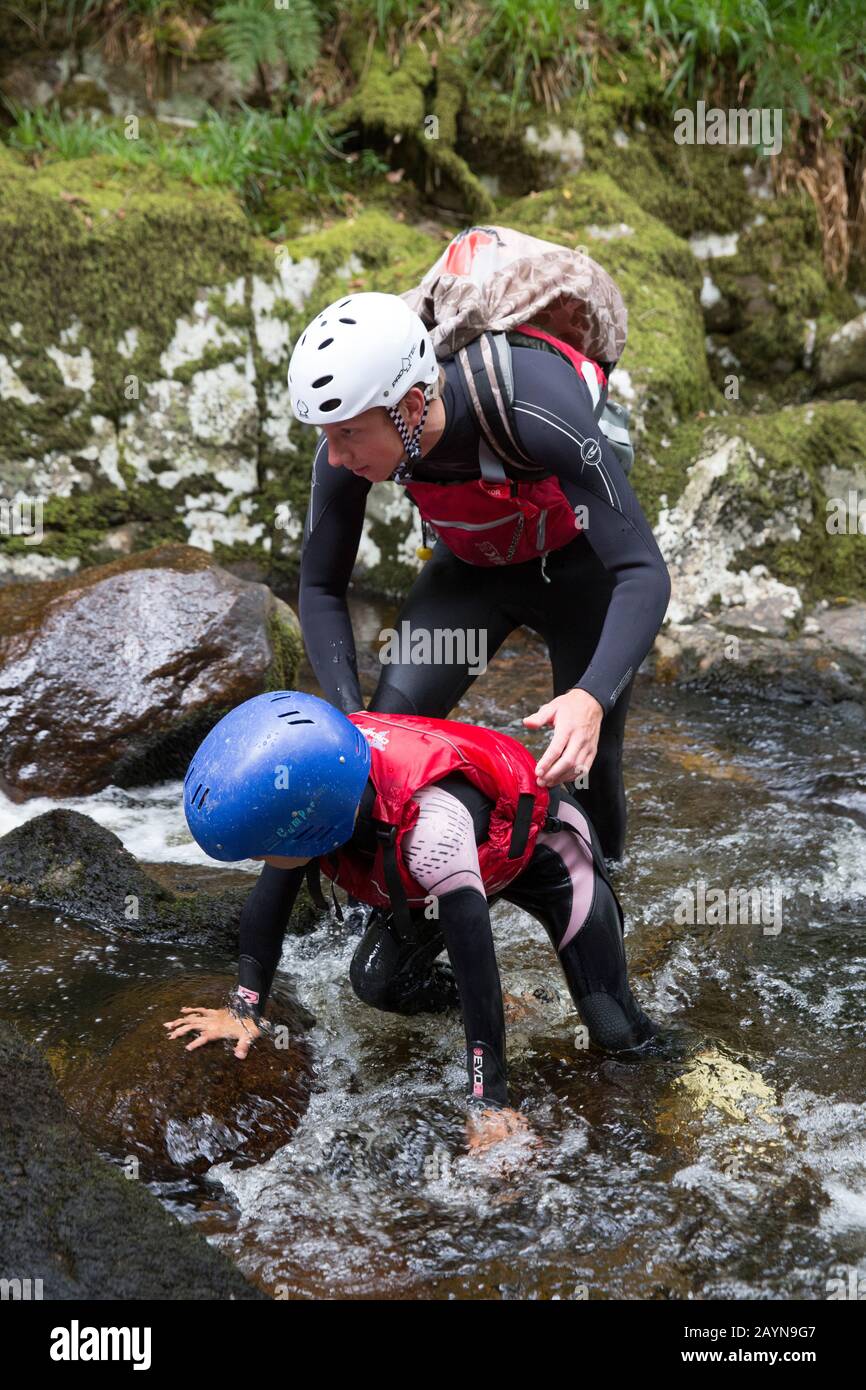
(281, 774)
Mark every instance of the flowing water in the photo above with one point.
(728, 1163)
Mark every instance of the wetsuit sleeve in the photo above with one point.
(554, 419)
(264, 918)
(332, 534)
(442, 856)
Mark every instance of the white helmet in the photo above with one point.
(362, 351)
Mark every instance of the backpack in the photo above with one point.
(493, 288)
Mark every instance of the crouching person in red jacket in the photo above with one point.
(428, 819)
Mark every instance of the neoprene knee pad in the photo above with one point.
(401, 977)
(613, 1027)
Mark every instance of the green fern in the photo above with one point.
(255, 32)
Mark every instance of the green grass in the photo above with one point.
(252, 152)
(790, 53)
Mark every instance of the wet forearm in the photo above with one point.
(264, 919)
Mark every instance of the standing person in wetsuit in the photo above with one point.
(402, 810)
(598, 601)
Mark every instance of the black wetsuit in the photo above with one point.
(599, 613)
(563, 885)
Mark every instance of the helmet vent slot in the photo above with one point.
(321, 381)
(325, 343)
(332, 404)
(203, 796)
(355, 321)
(287, 714)
(196, 792)
(344, 303)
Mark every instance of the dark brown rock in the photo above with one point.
(64, 860)
(174, 1110)
(75, 1222)
(115, 674)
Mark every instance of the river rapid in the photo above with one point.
(729, 1162)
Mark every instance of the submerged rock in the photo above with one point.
(73, 1221)
(63, 859)
(149, 1098)
(116, 674)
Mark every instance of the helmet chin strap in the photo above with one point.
(411, 442)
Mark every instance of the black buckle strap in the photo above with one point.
(387, 835)
(522, 823)
(314, 888)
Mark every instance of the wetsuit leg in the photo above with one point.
(576, 570)
(555, 888)
(401, 977)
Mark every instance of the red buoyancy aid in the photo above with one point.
(409, 752)
(500, 521)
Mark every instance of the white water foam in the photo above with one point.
(148, 820)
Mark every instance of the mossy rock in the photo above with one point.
(660, 280)
(747, 523)
(825, 444)
(774, 286)
(393, 105)
(626, 125)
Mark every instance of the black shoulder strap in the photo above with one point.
(488, 387)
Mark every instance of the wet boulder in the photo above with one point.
(148, 1098)
(76, 1223)
(114, 675)
(63, 859)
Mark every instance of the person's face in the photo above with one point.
(369, 444)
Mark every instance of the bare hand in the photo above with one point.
(576, 718)
(484, 1128)
(212, 1024)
